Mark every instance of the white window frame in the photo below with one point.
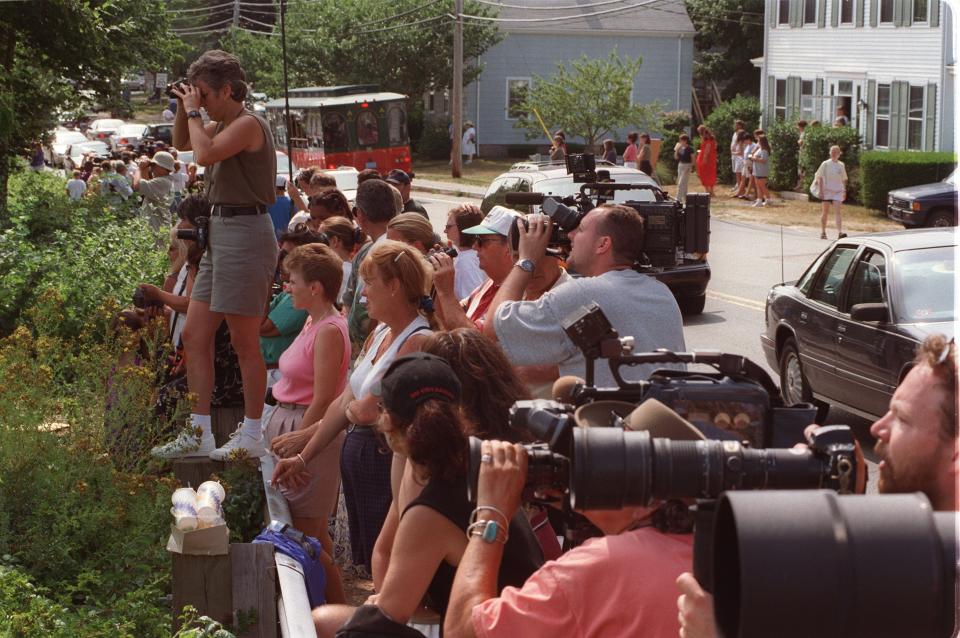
(813, 18)
(808, 111)
(853, 14)
(921, 119)
(880, 20)
(779, 112)
(506, 110)
(914, 19)
(876, 115)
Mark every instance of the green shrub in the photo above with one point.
(784, 154)
(721, 120)
(434, 140)
(817, 141)
(673, 124)
(884, 171)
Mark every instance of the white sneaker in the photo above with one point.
(240, 446)
(757, 204)
(187, 444)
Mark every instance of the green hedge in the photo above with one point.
(673, 123)
(884, 171)
(784, 154)
(720, 121)
(817, 141)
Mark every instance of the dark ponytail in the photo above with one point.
(437, 439)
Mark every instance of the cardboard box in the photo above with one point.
(210, 541)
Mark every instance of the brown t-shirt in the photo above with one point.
(247, 178)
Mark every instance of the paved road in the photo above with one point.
(746, 260)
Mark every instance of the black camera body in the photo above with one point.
(140, 300)
(449, 251)
(175, 85)
(199, 234)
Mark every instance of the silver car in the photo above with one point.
(101, 130)
(74, 157)
(56, 151)
(127, 134)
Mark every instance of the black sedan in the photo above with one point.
(845, 333)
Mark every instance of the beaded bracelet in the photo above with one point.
(488, 531)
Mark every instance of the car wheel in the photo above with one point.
(690, 306)
(793, 383)
(941, 219)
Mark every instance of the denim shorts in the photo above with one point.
(238, 266)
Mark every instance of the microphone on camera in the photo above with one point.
(526, 199)
(564, 387)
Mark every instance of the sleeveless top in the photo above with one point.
(367, 372)
(247, 178)
(296, 363)
(521, 555)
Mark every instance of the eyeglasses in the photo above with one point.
(449, 226)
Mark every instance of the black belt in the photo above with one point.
(224, 210)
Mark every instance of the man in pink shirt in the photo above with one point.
(618, 585)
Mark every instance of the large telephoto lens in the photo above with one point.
(613, 468)
(792, 564)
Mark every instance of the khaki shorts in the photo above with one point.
(238, 266)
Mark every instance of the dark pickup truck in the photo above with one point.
(925, 205)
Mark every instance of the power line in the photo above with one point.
(199, 9)
(205, 26)
(561, 18)
(406, 24)
(559, 8)
(399, 15)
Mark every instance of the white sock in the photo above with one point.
(203, 422)
(251, 427)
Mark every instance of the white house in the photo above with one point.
(889, 64)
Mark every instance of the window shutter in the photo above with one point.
(871, 100)
(772, 7)
(821, 13)
(894, 141)
(859, 11)
(771, 100)
(818, 103)
(835, 13)
(934, 10)
(907, 17)
(874, 12)
(793, 106)
(931, 118)
(796, 13)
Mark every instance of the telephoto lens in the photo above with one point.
(612, 468)
(812, 563)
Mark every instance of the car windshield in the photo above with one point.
(926, 278)
(564, 186)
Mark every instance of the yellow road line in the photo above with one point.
(737, 301)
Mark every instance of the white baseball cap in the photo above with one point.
(497, 222)
(281, 181)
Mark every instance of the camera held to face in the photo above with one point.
(199, 234)
(450, 251)
(179, 84)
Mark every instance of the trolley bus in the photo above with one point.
(354, 125)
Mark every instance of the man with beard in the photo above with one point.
(918, 450)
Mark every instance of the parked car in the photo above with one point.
(101, 130)
(346, 177)
(127, 134)
(925, 205)
(282, 165)
(686, 274)
(845, 333)
(134, 82)
(55, 152)
(159, 132)
(74, 155)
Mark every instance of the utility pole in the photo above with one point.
(457, 89)
(286, 88)
(236, 13)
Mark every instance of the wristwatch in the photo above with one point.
(525, 265)
(193, 113)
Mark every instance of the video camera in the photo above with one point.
(175, 85)
(671, 229)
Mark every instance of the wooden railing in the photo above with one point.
(293, 605)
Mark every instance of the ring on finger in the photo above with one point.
(486, 458)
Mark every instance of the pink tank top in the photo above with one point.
(296, 363)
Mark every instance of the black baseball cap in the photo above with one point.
(414, 378)
(398, 176)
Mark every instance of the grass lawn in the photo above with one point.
(144, 113)
(791, 213)
(479, 172)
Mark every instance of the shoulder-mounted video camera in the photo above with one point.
(199, 234)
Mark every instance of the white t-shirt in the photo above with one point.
(468, 275)
(76, 188)
(347, 269)
(179, 179)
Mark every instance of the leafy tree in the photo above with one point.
(361, 41)
(729, 34)
(721, 123)
(50, 50)
(589, 100)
